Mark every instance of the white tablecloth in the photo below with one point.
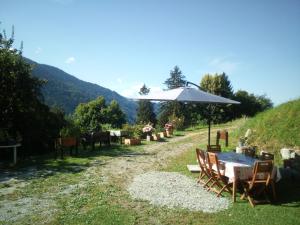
(240, 166)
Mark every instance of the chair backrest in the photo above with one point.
(223, 134)
(213, 163)
(267, 156)
(262, 172)
(249, 152)
(214, 148)
(201, 159)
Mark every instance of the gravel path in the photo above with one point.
(174, 190)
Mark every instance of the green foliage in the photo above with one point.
(135, 131)
(90, 116)
(70, 129)
(22, 111)
(144, 90)
(115, 116)
(250, 104)
(275, 128)
(145, 111)
(218, 84)
(176, 79)
(178, 122)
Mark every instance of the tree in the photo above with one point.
(176, 79)
(145, 111)
(89, 116)
(218, 84)
(115, 116)
(144, 90)
(22, 112)
(172, 109)
(92, 115)
(250, 104)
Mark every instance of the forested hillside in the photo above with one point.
(66, 91)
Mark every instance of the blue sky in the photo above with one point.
(123, 44)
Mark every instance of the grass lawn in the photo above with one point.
(81, 190)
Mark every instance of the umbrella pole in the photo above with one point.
(209, 131)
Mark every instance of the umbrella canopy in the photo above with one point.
(188, 94)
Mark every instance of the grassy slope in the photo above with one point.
(275, 128)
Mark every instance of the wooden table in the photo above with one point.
(14, 147)
(237, 167)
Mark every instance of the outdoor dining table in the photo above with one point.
(238, 167)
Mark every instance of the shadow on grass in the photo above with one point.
(46, 165)
(288, 193)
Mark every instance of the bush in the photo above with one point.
(70, 130)
(178, 122)
(135, 131)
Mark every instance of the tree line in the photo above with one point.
(192, 114)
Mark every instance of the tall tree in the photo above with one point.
(174, 109)
(145, 111)
(218, 84)
(22, 112)
(176, 79)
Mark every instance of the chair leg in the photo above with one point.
(207, 182)
(273, 190)
(222, 189)
(200, 177)
(251, 201)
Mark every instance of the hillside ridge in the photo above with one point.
(67, 91)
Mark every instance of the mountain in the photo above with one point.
(66, 91)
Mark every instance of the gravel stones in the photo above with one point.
(175, 190)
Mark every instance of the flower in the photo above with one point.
(148, 129)
(169, 126)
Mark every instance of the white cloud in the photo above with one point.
(220, 64)
(70, 60)
(38, 50)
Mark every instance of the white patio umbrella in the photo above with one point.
(189, 95)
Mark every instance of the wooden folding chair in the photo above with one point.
(204, 177)
(261, 179)
(214, 148)
(217, 170)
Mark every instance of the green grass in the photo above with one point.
(108, 202)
